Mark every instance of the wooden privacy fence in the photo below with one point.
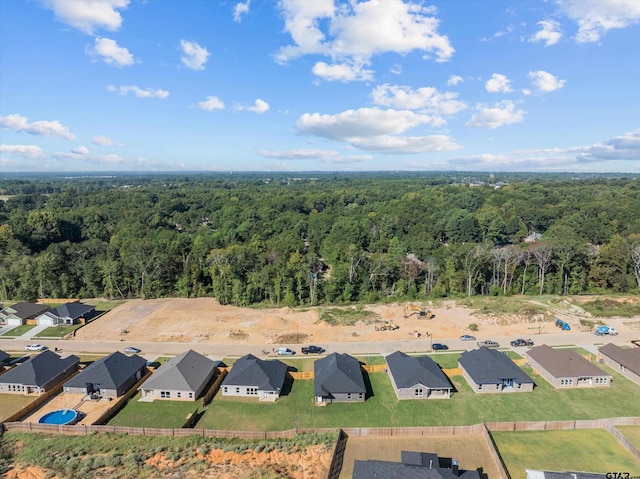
(120, 402)
(35, 404)
(222, 373)
(301, 374)
(375, 368)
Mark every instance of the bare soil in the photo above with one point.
(204, 320)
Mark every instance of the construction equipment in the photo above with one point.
(605, 330)
(410, 309)
(563, 325)
(387, 326)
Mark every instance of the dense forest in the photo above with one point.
(317, 238)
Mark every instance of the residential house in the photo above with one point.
(417, 377)
(338, 377)
(253, 377)
(111, 376)
(491, 371)
(39, 373)
(625, 361)
(22, 313)
(183, 378)
(565, 368)
(413, 465)
(67, 314)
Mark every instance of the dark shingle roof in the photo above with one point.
(409, 371)
(563, 363)
(563, 475)
(72, 310)
(414, 465)
(39, 370)
(28, 310)
(4, 356)
(490, 366)
(629, 358)
(251, 371)
(187, 371)
(338, 373)
(110, 372)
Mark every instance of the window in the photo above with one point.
(479, 387)
(178, 394)
(190, 395)
(418, 392)
(252, 391)
(348, 395)
(237, 390)
(497, 387)
(360, 395)
(165, 394)
(225, 389)
(519, 385)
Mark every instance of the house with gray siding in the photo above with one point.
(67, 314)
(338, 377)
(625, 361)
(565, 368)
(39, 373)
(22, 313)
(182, 378)
(111, 376)
(417, 377)
(254, 377)
(491, 371)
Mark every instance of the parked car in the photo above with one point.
(286, 352)
(313, 350)
(488, 344)
(132, 350)
(467, 337)
(35, 347)
(521, 342)
(439, 347)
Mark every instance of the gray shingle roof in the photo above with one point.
(28, 310)
(73, 310)
(110, 372)
(629, 358)
(336, 374)
(253, 372)
(563, 363)
(414, 465)
(39, 370)
(536, 474)
(4, 356)
(186, 372)
(409, 371)
(490, 366)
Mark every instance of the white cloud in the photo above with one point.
(101, 140)
(499, 114)
(545, 81)
(549, 33)
(88, 15)
(425, 99)
(625, 147)
(353, 32)
(240, 9)
(375, 129)
(259, 106)
(324, 156)
(30, 152)
(193, 56)
(498, 84)
(111, 52)
(454, 80)
(139, 92)
(80, 150)
(596, 17)
(341, 72)
(18, 122)
(211, 103)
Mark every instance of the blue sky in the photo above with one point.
(307, 85)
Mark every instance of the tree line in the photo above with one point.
(325, 238)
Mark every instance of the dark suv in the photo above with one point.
(313, 350)
(521, 342)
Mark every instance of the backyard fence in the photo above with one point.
(335, 468)
(120, 402)
(222, 373)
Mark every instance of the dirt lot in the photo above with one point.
(204, 320)
(471, 451)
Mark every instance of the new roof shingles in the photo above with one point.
(187, 372)
(564, 363)
(409, 371)
(110, 372)
(253, 372)
(629, 358)
(39, 370)
(338, 373)
(490, 366)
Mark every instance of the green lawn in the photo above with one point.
(593, 450)
(163, 414)
(632, 433)
(58, 331)
(18, 330)
(297, 409)
(12, 403)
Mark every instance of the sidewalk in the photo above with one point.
(33, 332)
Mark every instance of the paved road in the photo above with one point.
(588, 340)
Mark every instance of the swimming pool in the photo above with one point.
(61, 416)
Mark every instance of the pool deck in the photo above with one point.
(92, 410)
